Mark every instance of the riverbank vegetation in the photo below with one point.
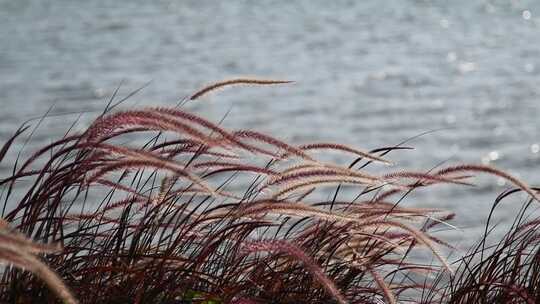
(159, 205)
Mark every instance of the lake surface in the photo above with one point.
(368, 74)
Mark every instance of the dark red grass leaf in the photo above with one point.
(10, 141)
(230, 166)
(123, 203)
(528, 226)
(483, 288)
(16, 176)
(417, 287)
(114, 185)
(62, 152)
(410, 267)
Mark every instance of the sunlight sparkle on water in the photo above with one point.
(493, 155)
(526, 14)
(466, 67)
(490, 157)
(444, 23)
(451, 57)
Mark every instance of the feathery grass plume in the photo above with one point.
(274, 142)
(340, 147)
(185, 146)
(295, 252)
(308, 183)
(302, 173)
(422, 177)
(165, 187)
(490, 170)
(237, 81)
(178, 114)
(383, 196)
(136, 158)
(149, 120)
(19, 251)
(388, 295)
(200, 151)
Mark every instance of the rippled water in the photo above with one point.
(369, 73)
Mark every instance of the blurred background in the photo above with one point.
(368, 74)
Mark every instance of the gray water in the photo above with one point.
(368, 73)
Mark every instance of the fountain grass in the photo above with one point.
(200, 214)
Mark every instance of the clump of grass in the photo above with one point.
(202, 214)
(505, 272)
